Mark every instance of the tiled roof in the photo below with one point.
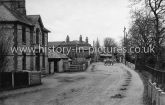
(57, 55)
(46, 30)
(55, 44)
(35, 18)
(75, 42)
(8, 15)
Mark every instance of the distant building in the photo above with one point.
(79, 49)
(24, 31)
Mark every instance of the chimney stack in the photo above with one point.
(81, 39)
(87, 40)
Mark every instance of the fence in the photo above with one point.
(5, 80)
(155, 84)
(155, 95)
(11, 80)
(157, 76)
(77, 66)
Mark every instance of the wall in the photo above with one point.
(13, 32)
(7, 30)
(60, 66)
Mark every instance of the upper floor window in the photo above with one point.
(31, 36)
(23, 35)
(37, 35)
(43, 39)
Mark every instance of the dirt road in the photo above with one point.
(99, 85)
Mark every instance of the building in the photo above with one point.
(24, 31)
(75, 50)
(57, 62)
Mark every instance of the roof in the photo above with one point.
(35, 19)
(75, 42)
(46, 30)
(106, 55)
(8, 15)
(56, 55)
(55, 44)
(84, 45)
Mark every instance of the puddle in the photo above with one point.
(118, 96)
(123, 89)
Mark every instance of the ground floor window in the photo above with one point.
(43, 60)
(24, 61)
(37, 61)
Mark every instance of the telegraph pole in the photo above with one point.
(124, 44)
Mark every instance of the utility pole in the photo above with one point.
(124, 44)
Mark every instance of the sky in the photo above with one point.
(89, 18)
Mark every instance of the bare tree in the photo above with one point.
(140, 35)
(142, 30)
(109, 42)
(155, 10)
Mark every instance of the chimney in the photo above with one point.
(80, 38)
(16, 5)
(87, 40)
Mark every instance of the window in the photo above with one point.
(43, 61)
(37, 61)
(37, 35)
(43, 39)
(24, 61)
(23, 35)
(31, 36)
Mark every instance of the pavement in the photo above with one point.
(99, 85)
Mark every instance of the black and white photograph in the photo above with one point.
(82, 52)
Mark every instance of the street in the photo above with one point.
(99, 85)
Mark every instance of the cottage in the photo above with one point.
(24, 31)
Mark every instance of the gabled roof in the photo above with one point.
(35, 19)
(8, 15)
(45, 30)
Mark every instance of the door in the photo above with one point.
(55, 66)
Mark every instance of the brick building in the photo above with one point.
(23, 31)
(79, 49)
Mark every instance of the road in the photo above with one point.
(99, 85)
